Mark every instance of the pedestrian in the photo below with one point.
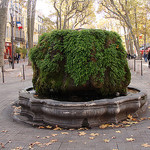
(148, 57)
(10, 60)
(145, 56)
(17, 57)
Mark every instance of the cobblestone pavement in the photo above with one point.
(17, 136)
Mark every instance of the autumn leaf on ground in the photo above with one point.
(148, 127)
(118, 131)
(106, 140)
(57, 128)
(54, 134)
(114, 149)
(130, 139)
(113, 137)
(4, 131)
(149, 107)
(143, 119)
(94, 134)
(54, 140)
(41, 127)
(48, 127)
(47, 144)
(82, 133)
(103, 126)
(91, 138)
(46, 137)
(130, 117)
(66, 133)
(70, 141)
(145, 145)
(71, 129)
(18, 148)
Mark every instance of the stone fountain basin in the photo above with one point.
(81, 114)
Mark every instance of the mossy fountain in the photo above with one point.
(80, 79)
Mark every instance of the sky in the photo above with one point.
(44, 7)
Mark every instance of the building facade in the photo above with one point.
(20, 39)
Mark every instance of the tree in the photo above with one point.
(123, 10)
(3, 20)
(71, 13)
(31, 5)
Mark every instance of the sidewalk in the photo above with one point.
(17, 136)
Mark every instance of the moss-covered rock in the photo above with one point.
(69, 61)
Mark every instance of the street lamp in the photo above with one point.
(12, 36)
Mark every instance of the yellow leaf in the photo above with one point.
(55, 140)
(148, 127)
(54, 134)
(70, 141)
(71, 129)
(64, 133)
(130, 139)
(57, 128)
(106, 140)
(48, 127)
(91, 138)
(41, 127)
(145, 145)
(103, 126)
(114, 149)
(118, 131)
(47, 144)
(81, 129)
(94, 134)
(82, 133)
(130, 117)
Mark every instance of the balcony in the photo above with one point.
(19, 39)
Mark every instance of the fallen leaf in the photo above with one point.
(130, 117)
(71, 129)
(145, 145)
(46, 137)
(118, 131)
(38, 136)
(66, 133)
(94, 134)
(48, 127)
(103, 126)
(113, 137)
(91, 138)
(57, 128)
(114, 149)
(143, 119)
(55, 140)
(18, 148)
(130, 139)
(81, 129)
(148, 127)
(106, 140)
(70, 141)
(4, 131)
(82, 133)
(41, 127)
(54, 134)
(47, 144)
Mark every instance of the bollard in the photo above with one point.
(3, 74)
(134, 65)
(141, 68)
(23, 72)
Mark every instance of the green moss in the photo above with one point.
(75, 60)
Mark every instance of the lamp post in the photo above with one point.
(12, 34)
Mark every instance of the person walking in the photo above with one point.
(148, 57)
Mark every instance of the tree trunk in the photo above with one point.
(3, 21)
